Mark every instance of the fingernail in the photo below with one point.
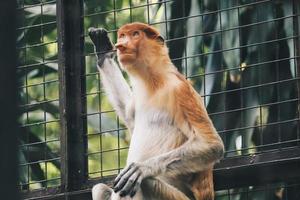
(122, 194)
(116, 182)
(116, 189)
(132, 194)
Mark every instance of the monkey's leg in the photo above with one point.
(152, 188)
(155, 188)
(103, 192)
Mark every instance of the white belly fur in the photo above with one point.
(153, 134)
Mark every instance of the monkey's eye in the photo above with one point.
(122, 35)
(135, 33)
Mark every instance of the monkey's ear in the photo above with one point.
(154, 34)
(151, 32)
(160, 39)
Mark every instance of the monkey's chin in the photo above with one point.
(127, 59)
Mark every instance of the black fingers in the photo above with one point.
(131, 187)
(135, 187)
(128, 181)
(127, 187)
(124, 177)
(101, 41)
(124, 171)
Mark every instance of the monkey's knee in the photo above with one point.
(101, 192)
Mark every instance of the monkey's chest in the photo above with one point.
(153, 134)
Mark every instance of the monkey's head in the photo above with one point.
(138, 44)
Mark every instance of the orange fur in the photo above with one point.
(169, 90)
(202, 185)
(184, 103)
(151, 59)
(189, 108)
(151, 32)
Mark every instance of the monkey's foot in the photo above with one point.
(101, 192)
(103, 46)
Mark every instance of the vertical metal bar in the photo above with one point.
(8, 101)
(148, 12)
(71, 95)
(296, 26)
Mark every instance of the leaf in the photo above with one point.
(177, 29)
(47, 107)
(270, 73)
(35, 11)
(228, 20)
(194, 43)
(23, 171)
(212, 81)
(155, 9)
(289, 28)
(38, 152)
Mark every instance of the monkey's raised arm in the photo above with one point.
(116, 87)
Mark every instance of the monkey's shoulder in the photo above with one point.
(183, 104)
(177, 103)
(177, 93)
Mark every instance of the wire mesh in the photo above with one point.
(240, 59)
(39, 148)
(241, 56)
(267, 192)
(108, 139)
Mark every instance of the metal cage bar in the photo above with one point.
(8, 102)
(274, 162)
(72, 88)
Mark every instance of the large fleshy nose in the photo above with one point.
(121, 46)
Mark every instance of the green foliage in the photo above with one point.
(229, 55)
(38, 67)
(39, 136)
(226, 63)
(104, 141)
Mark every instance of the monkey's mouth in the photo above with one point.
(126, 53)
(126, 57)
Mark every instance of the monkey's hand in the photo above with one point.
(103, 46)
(130, 178)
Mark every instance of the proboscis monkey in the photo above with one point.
(174, 144)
